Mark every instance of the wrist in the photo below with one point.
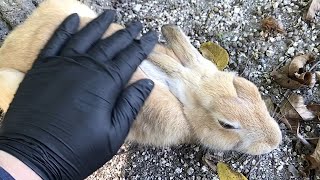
(16, 168)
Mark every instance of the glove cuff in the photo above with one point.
(37, 157)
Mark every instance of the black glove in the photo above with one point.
(72, 112)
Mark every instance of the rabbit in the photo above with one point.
(192, 102)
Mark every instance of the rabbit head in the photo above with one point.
(226, 112)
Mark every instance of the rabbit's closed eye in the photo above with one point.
(227, 125)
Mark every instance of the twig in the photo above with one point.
(314, 66)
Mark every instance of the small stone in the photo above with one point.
(281, 59)
(308, 128)
(197, 149)
(190, 171)
(204, 169)
(269, 81)
(275, 5)
(269, 53)
(237, 10)
(279, 168)
(137, 8)
(291, 51)
(178, 170)
(216, 9)
(197, 44)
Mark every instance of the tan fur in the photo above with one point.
(186, 110)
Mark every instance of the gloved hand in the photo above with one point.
(72, 112)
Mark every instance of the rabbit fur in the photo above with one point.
(192, 102)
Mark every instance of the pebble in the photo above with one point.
(308, 128)
(291, 51)
(137, 8)
(204, 169)
(269, 53)
(178, 170)
(190, 171)
(279, 168)
(236, 10)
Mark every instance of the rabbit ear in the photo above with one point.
(246, 89)
(180, 45)
(169, 65)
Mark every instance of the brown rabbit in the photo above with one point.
(192, 101)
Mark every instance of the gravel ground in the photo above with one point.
(235, 25)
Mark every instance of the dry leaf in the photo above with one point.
(272, 25)
(315, 109)
(297, 64)
(318, 75)
(293, 75)
(226, 173)
(294, 108)
(314, 159)
(216, 54)
(313, 8)
(281, 77)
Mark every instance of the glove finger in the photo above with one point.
(86, 37)
(107, 48)
(126, 63)
(68, 27)
(127, 108)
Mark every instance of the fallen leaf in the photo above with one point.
(318, 75)
(270, 24)
(297, 64)
(293, 75)
(294, 111)
(283, 80)
(215, 53)
(314, 158)
(226, 173)
(313, 8)
(315, 109)
(294, 108)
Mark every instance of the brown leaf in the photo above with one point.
(300, 109)
(271, 25)
(318, 75)
(315, 109)
(313, 8)
(281, 77)
(314, 158)
(293, 111)
(293, 75)
(297, 64)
